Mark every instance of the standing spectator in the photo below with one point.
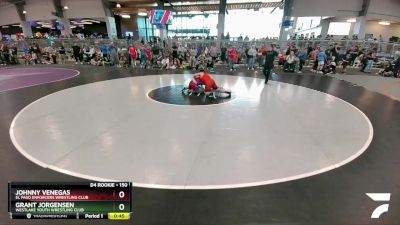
(213, 54)
(251, 56)
(63, 56)
(38, 53)
(76, 49)
(14, 54)
(270, 56)
(105, 51)
(114, 55)
(335, 53)
(314, 57)
(6, 54)
(321, 61)
(223, 54)
(396, 67)
(174, 51)
(370, 58)
(133, 54)
(148, 54)
(302, 59)
(143, 57)
(232, 58)
(261, 55)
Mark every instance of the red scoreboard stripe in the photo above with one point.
(164, 20)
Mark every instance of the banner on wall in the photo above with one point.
(111, 27)
(160, 17)
(287, 23)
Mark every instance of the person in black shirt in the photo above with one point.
(270, 56)
(396, 65)
(14, 54)
(63, 56)
(6, 54)
(335, 53)
(76, 50)
(223, 54)
(174, 51)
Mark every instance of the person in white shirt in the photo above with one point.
(251, 57)
(290, 63)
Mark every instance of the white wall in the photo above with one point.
(42, 9)
(8, 15)
(39, 10)
(315, 30)
(372, 27)
(84, 9)
(385, 10)
(327, 7)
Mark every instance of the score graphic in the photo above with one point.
(89, 200)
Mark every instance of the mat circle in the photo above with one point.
(173, 95)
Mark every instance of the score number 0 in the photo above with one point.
(121, 194)
(121, 206)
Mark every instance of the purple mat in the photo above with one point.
(16, 78)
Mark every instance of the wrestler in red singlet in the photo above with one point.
(208, 81)
(194, 82)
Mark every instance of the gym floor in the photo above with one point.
(303, 149)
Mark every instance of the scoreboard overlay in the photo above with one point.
(78, 200)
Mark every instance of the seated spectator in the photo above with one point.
(290, 63)
(396, 67)
(165, 63)
(387, 70)
(281, 60)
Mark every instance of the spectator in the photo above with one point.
(114, 55)
(251, 54)
(133, 55)
(321, 61)
(387, 70)
(302, 59)
(232, 58)
(368, 61)
(62, 53)
(290, 63)
(76, 49)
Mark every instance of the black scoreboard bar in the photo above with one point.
(60, 200)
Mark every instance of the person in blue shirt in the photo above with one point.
(302, 58)
(321, 61)
(113, 55)
(105, 51)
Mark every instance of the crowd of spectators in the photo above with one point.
(180, 55)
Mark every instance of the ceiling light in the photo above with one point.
(24, 12)
(93, 21)
(142, 14)
(352, 20)
(66, 7)
(118, 5)
(386, 23)
(125, 16)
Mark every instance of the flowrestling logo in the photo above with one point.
(379, 197)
